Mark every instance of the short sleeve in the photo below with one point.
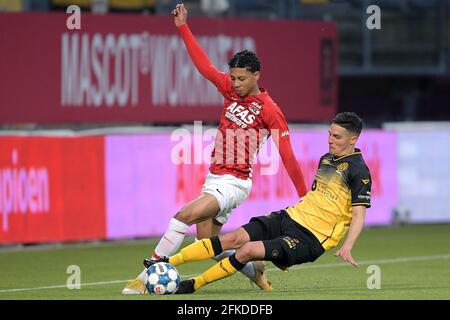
(360, 185)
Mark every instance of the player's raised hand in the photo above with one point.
(346, 255)
(180, 14)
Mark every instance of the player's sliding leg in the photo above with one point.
(206, 248)
(254, 270)
(224, 268)
(248, 270)
(197, 251)
(203, 207)
(213, 248)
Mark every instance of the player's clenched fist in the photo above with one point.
(180, 14)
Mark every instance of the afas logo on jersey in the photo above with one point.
(255, 108)
(245, 115)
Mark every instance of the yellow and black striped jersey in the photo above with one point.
(339, 184)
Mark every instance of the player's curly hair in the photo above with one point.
(350, 121)
(245, 59)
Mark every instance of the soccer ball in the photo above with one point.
(162, 278)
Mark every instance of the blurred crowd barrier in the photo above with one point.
(423, 171)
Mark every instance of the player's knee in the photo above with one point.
(192, 214)
(245, 253)
(230, 240)
(185, 216)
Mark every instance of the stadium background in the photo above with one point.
(86, 116)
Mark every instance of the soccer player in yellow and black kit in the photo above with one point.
(335, 206)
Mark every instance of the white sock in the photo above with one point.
(248, 270)
(172, 239)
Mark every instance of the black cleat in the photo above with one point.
(186, 287)
(149, 262)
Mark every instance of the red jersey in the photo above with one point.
(245, 123)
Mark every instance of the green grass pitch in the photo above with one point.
(414, 263)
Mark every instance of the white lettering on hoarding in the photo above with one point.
(74, 20)
(22, 190)
(98, 70)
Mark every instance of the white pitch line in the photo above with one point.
(317, 266)
(368, 262)
(64, 286)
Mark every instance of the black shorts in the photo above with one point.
(278, 232)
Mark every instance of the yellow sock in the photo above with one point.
(199, 250)
(220, 270)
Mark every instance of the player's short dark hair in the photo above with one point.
(245, 59)
(350, 121)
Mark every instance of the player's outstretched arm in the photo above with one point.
(292, 167)
(356, 226)
(279, 131)
(196, 52)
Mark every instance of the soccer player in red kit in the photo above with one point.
(248, 111)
